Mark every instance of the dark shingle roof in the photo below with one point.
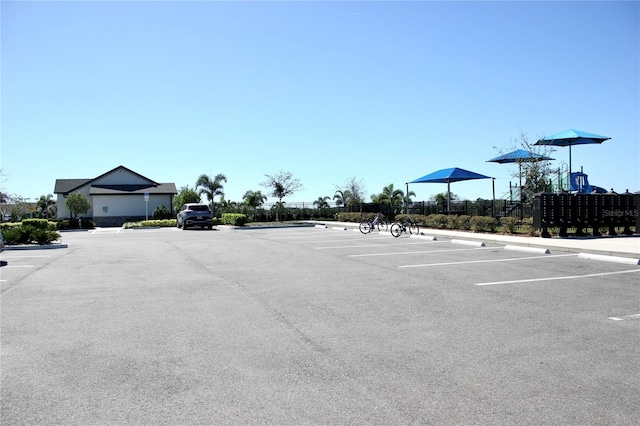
(65, 186)
(160, 188)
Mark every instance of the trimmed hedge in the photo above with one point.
(484, 224)
(39, 224)
(442, 221)
(510, 224)
(83, 223)
(235, 219)
(357, 216)
(153, 223)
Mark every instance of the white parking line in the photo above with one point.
(332, 241)
(570, 277)
(367, 245)
(626, 317)
(19, 266)
(415, 252)
(484, 261)
(21, 256)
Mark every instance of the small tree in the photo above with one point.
(185, 195)
(77, 203)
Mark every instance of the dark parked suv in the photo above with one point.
(193, 214)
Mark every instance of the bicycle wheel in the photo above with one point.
(413, 229)
(382, 226)
(396, 229)
(365, 227)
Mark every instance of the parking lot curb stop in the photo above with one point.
(469, 243)
(528, 249)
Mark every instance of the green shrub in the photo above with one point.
(436, 221)
(10, 225)
(527, 222)
(161, 212)
(44, 236)
(163, 223)
(484, 223)
(26, 234)
(75, 223)
(29, 231)
(452, 222)
(36, 223)
(418, 219)
(62, 224)
(351, 217)
(510, 224)
(235, 219)
(464, 222)
(11, 234)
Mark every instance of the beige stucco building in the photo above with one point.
(116, 196)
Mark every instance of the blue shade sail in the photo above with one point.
(519, 155)
(453, 174)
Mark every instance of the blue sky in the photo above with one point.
(383, 92)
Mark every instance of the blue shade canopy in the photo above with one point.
(453, 174)
(519, 155)
(447, 176)
(572, 137)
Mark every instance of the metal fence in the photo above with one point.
(304, 210)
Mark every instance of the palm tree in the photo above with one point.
(394, 197)
(46, 206)
(211, 188)
(254, 199)
(343, 198)
(322, 203)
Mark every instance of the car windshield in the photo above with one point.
(199, 208)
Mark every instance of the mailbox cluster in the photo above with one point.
(581, 211)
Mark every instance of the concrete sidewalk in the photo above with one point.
(621, 245)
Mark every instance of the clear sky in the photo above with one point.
(383, 92)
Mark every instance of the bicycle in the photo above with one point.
(368, 226)
(397, 228)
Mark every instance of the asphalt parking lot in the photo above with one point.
(314, 326)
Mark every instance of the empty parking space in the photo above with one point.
(15, 265)
(476, 263)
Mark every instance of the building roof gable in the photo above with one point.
(118, 180)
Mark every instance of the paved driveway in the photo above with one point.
(314, 326)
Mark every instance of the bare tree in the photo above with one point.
(282, 184)
(535, 175)
(350, 193)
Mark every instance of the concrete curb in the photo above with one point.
(36, 247)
